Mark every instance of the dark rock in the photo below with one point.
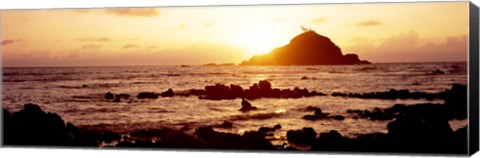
(331, 141)
(236, 90)
(247, 106)
(336, 94)
(266, 130)
(305, 136)
(197, 92)
(220, 140)
(318, 115)
(338, 117)
(117, 99)
(150, 133)
(414, 134)
(307, 48)
(304, 78)
(217, 92)
(126, 144)
(32, 126)
(225, 124)
(460, 137)
(147, 95)
(168, 93)
(456, 101)
(264, 85)
(262, 89)
(438, 72)
(178, 139)
(109, 95)
(123, 95)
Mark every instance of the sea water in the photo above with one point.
(77, 94)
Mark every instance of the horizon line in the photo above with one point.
(218, 64)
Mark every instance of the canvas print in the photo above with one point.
(373, 77)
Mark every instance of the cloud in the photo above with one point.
(319, 20)
(92, 39)
(368, 23)
(410, 47)
(128, 46)
(10, 41)
(139, 12)
(92, 46)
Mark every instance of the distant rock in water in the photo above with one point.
(147, 95)
(307, 48)
(221, 64)
(247, 106)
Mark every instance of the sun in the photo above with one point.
(259, 40)
(260, 44)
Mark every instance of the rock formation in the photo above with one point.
(307, 48)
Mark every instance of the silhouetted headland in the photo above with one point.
(307, 48)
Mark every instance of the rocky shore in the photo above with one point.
(408, 132)
(418, 128)
(264, 89)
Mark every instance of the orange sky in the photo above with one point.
(378, 32)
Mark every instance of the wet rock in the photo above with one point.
(125, 144)
(256, 140)
(147, 95)
(236, 90)
(221, 140)
(417, 134)
(247, 106)
(168, 93)
(460, 143)
(6, 115)
(150, 133)
(318, 115)
(262, 89)
(456, 101)
(109, 95)
(177, 139)
(330, 141)
(123, 96)
(338, 94)
(337, 117)
(266, 130)
(264, 85)
(437, 72)
(305, 136)
(225, 124)
(32, 126)
(116, 100)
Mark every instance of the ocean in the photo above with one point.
(77, 94)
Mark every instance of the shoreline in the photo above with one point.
(419, 128)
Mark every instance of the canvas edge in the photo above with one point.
(473, 129)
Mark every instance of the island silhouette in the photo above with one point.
(307, 48)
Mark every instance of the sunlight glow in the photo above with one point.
(260, 39)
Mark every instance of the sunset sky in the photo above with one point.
(378, 32)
